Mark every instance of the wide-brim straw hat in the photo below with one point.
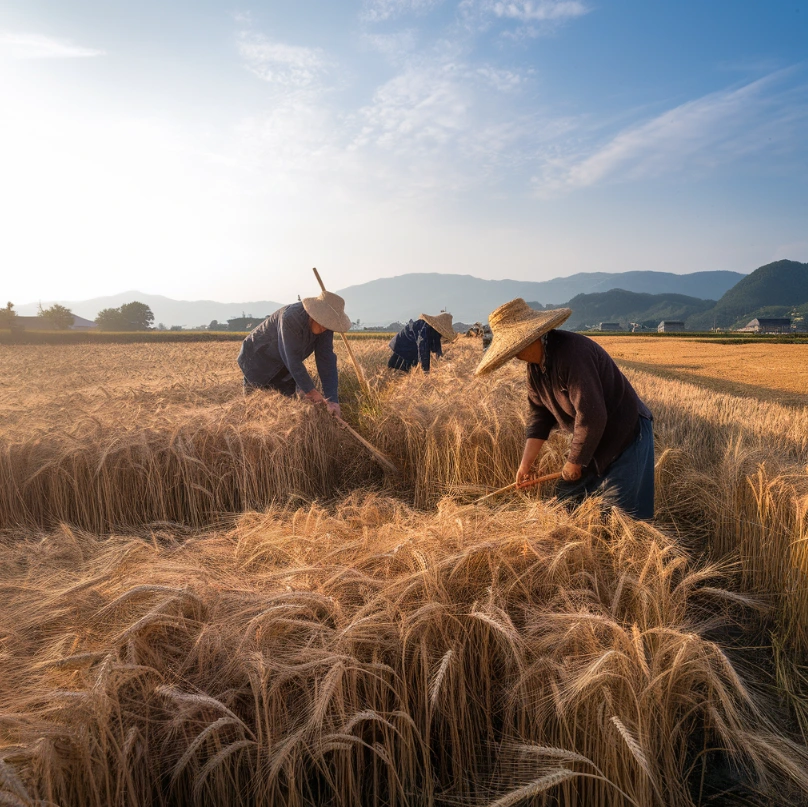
(442, 324)
(328, 309)
(515, 325)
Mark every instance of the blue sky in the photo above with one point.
(218, 150)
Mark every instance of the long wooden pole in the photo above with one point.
(360, 375)
(520, 485)
(382, 459)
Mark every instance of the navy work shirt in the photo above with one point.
(285, 339)
(416, 341)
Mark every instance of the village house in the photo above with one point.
(768, 325)
(28, 324)
(670, 326)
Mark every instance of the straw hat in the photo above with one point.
(516, 325)
(442, 324)
(328, 309)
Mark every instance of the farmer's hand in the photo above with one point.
(532, 450)
(333, 408)
(523, 474)
(570, 472)
(315, 396)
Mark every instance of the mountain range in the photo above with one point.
(701, 299)
(773, 290)
(470, 299)
(628, 307)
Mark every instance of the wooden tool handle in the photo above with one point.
(363, 382)
(526, 484)
(319, 279)
(382, 459)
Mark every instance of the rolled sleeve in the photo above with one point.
(540, 422)
(326, 361)
(291, 346)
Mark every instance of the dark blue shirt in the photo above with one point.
(285, 339)
(416, 341)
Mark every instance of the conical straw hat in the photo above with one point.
(328, 309)
(515, 325)
(442, 324)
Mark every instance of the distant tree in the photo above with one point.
(175, 328)
(132, 316)
(110, 319)
(61, 317)
(138, 315)
(7, 316)
(161, 327)
(215, 326)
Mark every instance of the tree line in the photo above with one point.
(134, 316)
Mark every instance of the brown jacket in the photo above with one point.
(580, 389)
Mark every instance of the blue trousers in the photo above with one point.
(628, 482)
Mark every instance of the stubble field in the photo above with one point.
(757, 369)
(208, 599)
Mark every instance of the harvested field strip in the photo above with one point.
(375, 655)
(760, 370)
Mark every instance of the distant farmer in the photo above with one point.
(575, 385)
(272, 355)
(417, 341)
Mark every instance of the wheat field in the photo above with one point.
(766, 371)
(211, 599)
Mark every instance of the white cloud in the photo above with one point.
(538, 10)
(37, 46)
(521, 19)
(289, 66)
(502, 80)
(381, 10)
(441, 126)
(394, 46)
(420, 106)
(695, 137)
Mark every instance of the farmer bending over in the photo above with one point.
(416, 341)
(574, 384)
(272, 355)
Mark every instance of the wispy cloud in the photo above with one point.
(37, 46)
(289, 66)
(526, 18)
(381, 10)
(538, 10)
(693, 138)
(394, 46)
(446, 123)
(503, 80)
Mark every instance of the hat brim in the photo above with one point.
(323, 314)
(433, 322)
(510, 340)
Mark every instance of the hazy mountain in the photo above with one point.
(625, 307)
(386, 300)
(188, 313)
(470, 298)
(773, 290)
